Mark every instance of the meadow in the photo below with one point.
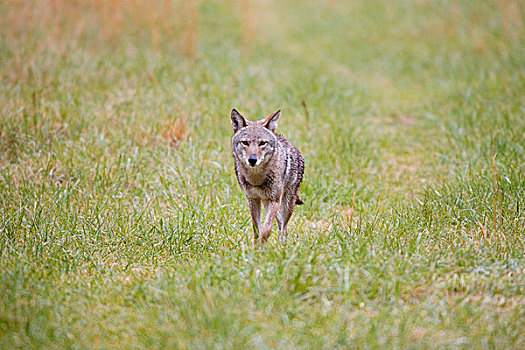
(121, 221)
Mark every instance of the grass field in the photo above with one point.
(121, 221)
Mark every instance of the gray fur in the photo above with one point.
(269, 170)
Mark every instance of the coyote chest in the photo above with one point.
(258, 185)
(269, 170)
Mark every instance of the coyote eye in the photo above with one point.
(246, 143)
(262, 143)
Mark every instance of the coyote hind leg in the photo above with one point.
(279, 220)
(285, 213)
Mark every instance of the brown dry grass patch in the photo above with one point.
(174, 131)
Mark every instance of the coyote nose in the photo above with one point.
(252, 159)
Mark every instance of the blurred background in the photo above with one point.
(348, 29)
(381, 86)
(190, 27)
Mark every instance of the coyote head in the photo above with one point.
(254, 142)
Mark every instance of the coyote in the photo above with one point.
(269, 170)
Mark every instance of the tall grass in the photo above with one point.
(121, 223)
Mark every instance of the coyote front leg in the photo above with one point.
(255, 211)
(271, 212)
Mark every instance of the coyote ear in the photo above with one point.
(238, 121)
(271, 121)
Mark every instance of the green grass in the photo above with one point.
(111, 237)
